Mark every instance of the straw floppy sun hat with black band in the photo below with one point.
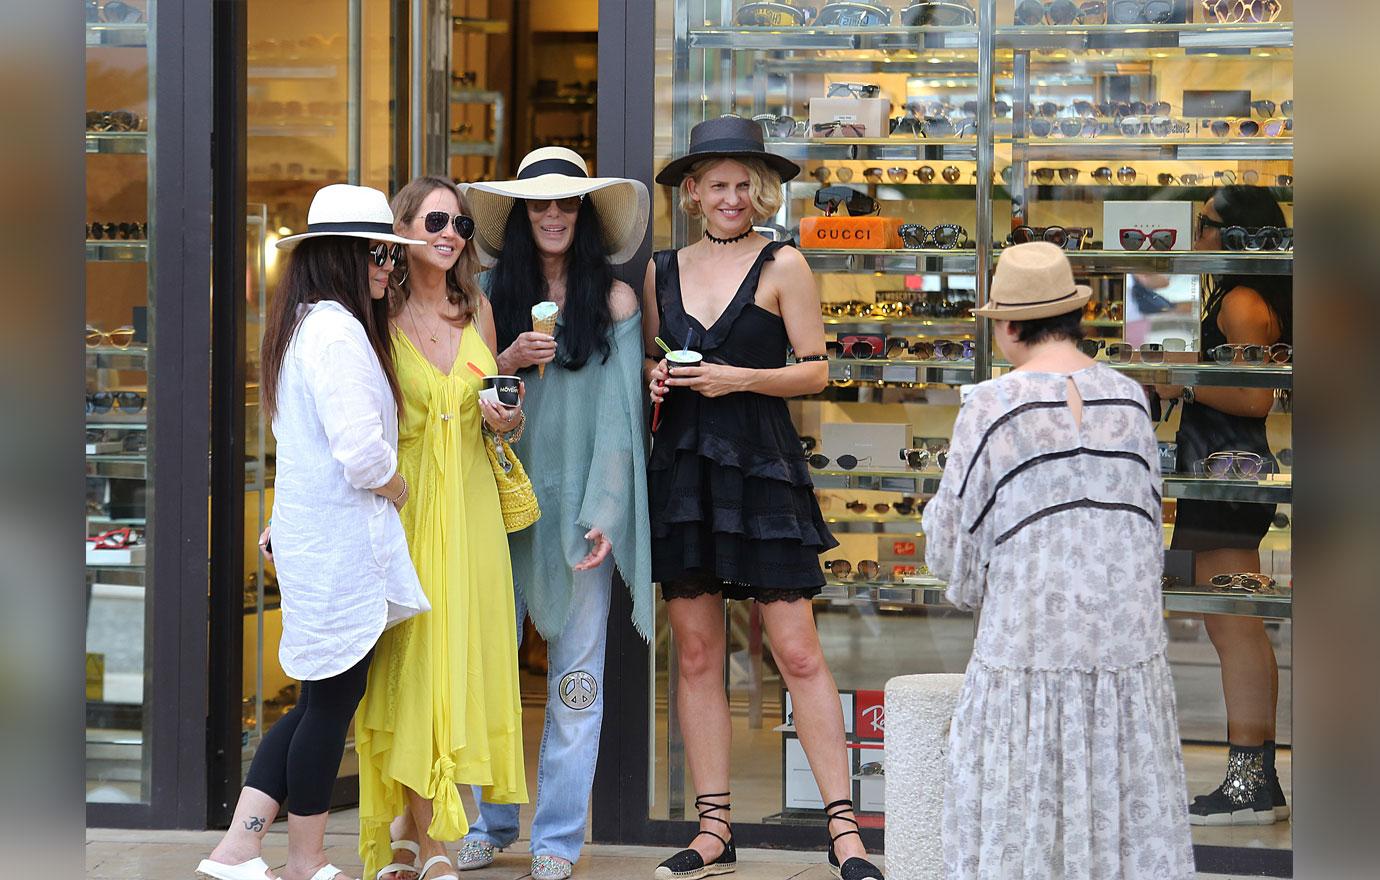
(351, 211)
(559, 173)
(1033, 280)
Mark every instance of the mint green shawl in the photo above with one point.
(585, 449)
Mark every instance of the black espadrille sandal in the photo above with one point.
(855, 868)
(688, 864)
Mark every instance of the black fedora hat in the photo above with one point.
(728, 137)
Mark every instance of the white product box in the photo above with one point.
(871, 115)
(105, 447)
(801, 791)
(124, 556)
(871, 789)
(876, 445)
(1147, 217)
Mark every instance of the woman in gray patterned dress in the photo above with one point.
(1064, 758)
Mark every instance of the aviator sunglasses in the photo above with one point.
(435, 221)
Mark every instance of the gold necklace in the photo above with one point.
(434, 331)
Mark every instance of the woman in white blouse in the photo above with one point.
(344, 573)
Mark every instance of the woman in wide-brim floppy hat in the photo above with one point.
(733, 510)
(558, 173)
(1048, 519)
(552, 236)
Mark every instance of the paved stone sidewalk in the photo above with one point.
(172, 855)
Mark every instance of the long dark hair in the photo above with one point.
(1252, 207)
(518, 284)
(335, 268)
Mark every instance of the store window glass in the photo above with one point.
(1154, 142)
(120, 357)
(321, 109)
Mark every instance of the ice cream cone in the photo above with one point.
(544, 321)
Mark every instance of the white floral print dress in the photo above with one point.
(1064, 757)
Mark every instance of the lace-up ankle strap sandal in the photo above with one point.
(855, 868)
(688, 864)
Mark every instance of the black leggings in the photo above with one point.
(299, 757)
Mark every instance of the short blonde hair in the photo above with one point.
(764, 187)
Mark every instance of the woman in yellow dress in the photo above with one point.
(442, 706)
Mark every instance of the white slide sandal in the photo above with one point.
(254, 869)
(327, 873)
(399, 867)
(432, 862)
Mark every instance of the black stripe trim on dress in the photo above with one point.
(1052, 456)
(1072, 505)
(1038, 404)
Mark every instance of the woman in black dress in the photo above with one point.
(731, 503)
(1226, 535)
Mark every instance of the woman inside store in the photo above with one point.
(331, 390)
(1225, 535)
(733, 510)
(442, 707)
(1064, 755)
(553, 236)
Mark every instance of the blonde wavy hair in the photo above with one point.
(461, 287)
(764, 187)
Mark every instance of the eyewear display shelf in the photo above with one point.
(118, 473)
(989, 188)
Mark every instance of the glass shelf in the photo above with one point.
(901, 149)
(752, 39)
(1271, 489)
(292, 71)
(1183, 262)
(1111, 149)
(116, 575)
(1208, 374)
(123, 142)
(1196, 35)
(900, 261)
(119, 251)
(127, 35)
(913, 483)
(901, 371)
(117, 467)
(867, 324)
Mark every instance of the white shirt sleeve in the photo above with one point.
(349, 391)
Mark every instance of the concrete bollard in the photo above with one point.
(918, 711)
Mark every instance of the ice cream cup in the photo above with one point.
(500, 390)
(684, 358)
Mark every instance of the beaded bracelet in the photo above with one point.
(811, 358)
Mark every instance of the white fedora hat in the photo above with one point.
(1033, 280)
(558, 173)
(351, 211)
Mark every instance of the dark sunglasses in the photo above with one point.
(868, 569)
(937, 349)
(105, 401)
(1060, 12)
(845, 461)
(435, 221)
(1046, 175)
(861, 506)
(858, 204)
(846, 14)
(945, 236)
(382, 252)
(568, 205)
(938, 13)
(1070, 238)
(1257, 238)
(1140, 11)
(1124, 175)
(856, 349)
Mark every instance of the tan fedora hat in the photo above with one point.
(1033, 280)
(558, 173)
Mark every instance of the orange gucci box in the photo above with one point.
(864, 233)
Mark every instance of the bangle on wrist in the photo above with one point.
(403, 493)
(1188, 395)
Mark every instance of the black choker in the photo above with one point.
(743, 235)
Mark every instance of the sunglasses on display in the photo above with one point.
(435, 221)
(934, 349)
(830, 198)
(845, 462)
(1091, 347)
(123, 231)
(1119, 109)
(105, 401)
(1158, 239)
(120, 337)
(945, 236)
(1047, 175)
(771, 15)
(779, 126)
(854, 349)
(1069, 238)
(1246, 582)
(1068, 127)
(1060, 12)
(1140, 11)
(1150, 352)
(853, 15)
(907, 506)
(1124, 175)
(868, 569)
(862, 506)
(1248, 11)
(1149, 126)
(938, 13)
(113, 120)
(1230, 464)
(872, 768)
(1256, 355)
(853, 90)
(834, 128)
(567, 205)
(1257, 238)
(933, 126)
(918, 458)
(382, 252)
(1247, 127)
(1103, 310)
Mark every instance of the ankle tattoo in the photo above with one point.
(255, 824)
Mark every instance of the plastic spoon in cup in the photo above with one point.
(664, 347)
(478, 372)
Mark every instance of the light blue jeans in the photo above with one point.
(570, 737)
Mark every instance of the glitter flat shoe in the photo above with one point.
(550, 868)
(475, 854)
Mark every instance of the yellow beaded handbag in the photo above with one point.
(516, 497)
